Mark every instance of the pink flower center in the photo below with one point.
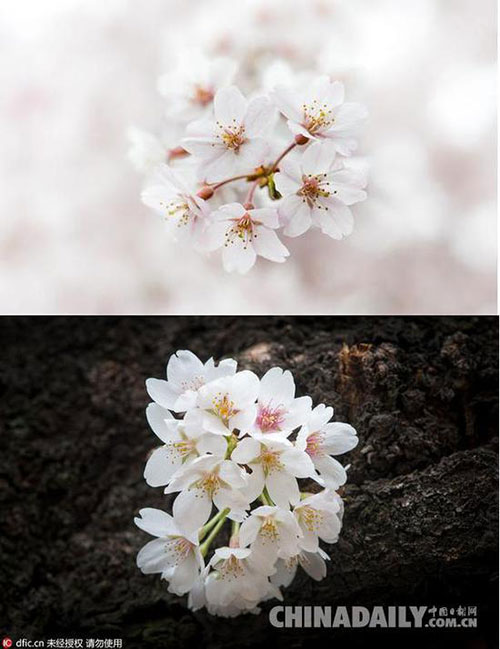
(317, 117)
(270, 419)
(314, 447)
(202, 96)
(232, 136)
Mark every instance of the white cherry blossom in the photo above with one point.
(186, 374)
(175, 554)
(190, 88)
(237, 583)
(185, 213)
(181, 444)
(233, 142)
(278, 411)
(321, 439)
(275, 465)
(318, 111)
(208, 479)
(311, 562)
(228, 403)
(272, 532)
(240, 448)
(243, 234)
(318, 516)
(318, 192)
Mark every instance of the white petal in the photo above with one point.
(231, 473)
(298, 463)
(185, 575)
(288, 102)
(246, 451)
(238, 256)
(267, 244)
(155, 522)
(152, 557)
(283, 488)
(268, 216)
(331, 471)
(259, 117)
(192, 509)
(277, 386)
(313, 564)
(318, 158)
(336, 221)
(161, 466)
(339, 438)
(229, 106)
(210, 443)
(296, 215)
(161, 392)
(157, 418)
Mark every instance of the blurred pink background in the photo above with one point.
(75, 74)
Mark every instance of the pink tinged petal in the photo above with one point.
(318, 158)
(336, 221)
(283, 488)
(152, 557)
(277, 386)
(155, 522)
(161, 392)
(267, 216)
(298, 463)
(161, 466)
(267, 245)
(332, 472)
(238, 256)
(288, 102)
(296, 216)
(192, 509)
(246, 451)
(157, 419)
(260, 116)
(229, 106)
(313, 564)
(339, 438)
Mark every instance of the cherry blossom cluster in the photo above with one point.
(233, 451)
(230, 170)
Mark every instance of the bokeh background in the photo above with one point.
(76, 74)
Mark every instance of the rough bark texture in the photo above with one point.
(421, 505)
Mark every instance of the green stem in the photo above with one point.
(206, 544)
(235, 528)
(206, 528)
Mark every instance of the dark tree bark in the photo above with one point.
(420, 524)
